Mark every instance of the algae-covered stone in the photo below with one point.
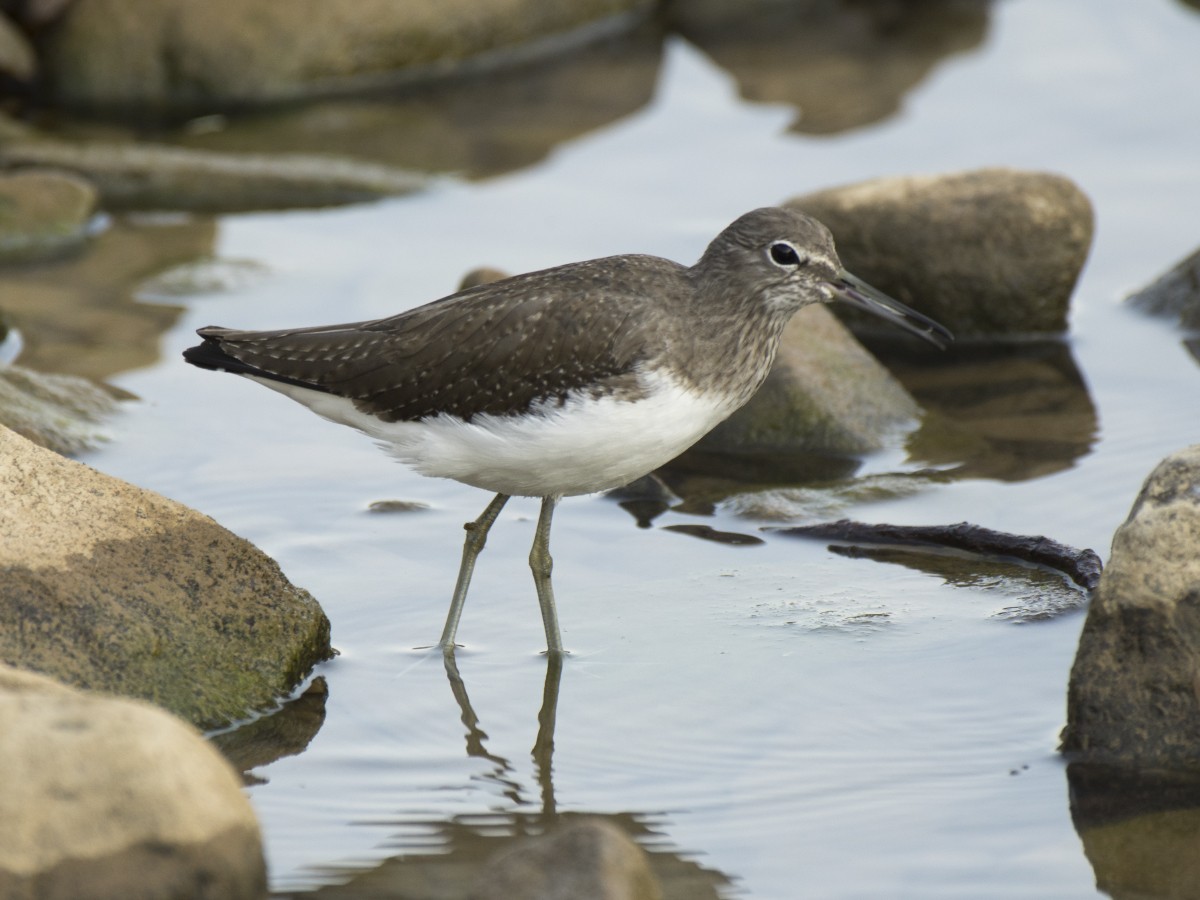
(993, 252)
(64, 413)
(104, 797)
(108, 586)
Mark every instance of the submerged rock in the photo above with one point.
(824, 394)
(149, 55)
(64, 413)
(110, 587)
(43, 214)
(108, 798)
(988, 253)
(1132, 698)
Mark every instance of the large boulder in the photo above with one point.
(1132, 698)
(988, 253)
(105, 798)
(108, 586)
(205, 54)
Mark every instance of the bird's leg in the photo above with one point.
(541, 564)
(477, 532)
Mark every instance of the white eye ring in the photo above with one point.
(785, 255)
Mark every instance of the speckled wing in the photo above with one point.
(497, 348)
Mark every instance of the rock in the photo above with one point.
(16, 56)
(109, 798)
(43, 214)
(590, 858)
(988, 253)
(154, 176)
(64, 413)
(110, 587)
(1175, 294)
(840, 65)
(1132, 698)
(825, 394)
(207, 54)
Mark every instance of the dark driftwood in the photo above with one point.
(1081, 566)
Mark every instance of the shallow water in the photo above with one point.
(773, 720)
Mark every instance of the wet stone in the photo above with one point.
(1175, 294)
(43, 214)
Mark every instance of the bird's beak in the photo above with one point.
(858, 293)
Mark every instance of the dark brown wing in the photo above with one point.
(497, 348)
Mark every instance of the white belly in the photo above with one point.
(583, 446)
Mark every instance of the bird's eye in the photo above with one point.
(784, 254)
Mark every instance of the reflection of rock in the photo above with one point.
(825, 394)
(147, 55)
(110, 798)
(1133, 695)
(112, 587)
(476, 127)
(62, 412)
(285, 732)
(452, 854)
(987, 253)
(154, 176)
(43, 214)
(1140, 830)
(841, 64)
(1175, 294)
(1007, 410)
(587, 858)
(81, 317)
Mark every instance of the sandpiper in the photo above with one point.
(565, 381)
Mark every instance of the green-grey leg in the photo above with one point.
(541, 564)
(477, 532)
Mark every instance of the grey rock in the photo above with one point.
(1175, 293)
(212, 53)
(43, 214)
(64, 413)
(589, 859)
(1132, 698)
(988, 253)
(106, 798)
(154, 176)
(825, 394)
(107, 586)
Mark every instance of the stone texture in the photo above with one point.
(43, 214)
(588, 858)
(988, 253)
(1133, 697)
(64, 413)
(825, 394)
(154, 176)
(1175, 293)
(162, 54)
(103, 798)
(108, 586)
